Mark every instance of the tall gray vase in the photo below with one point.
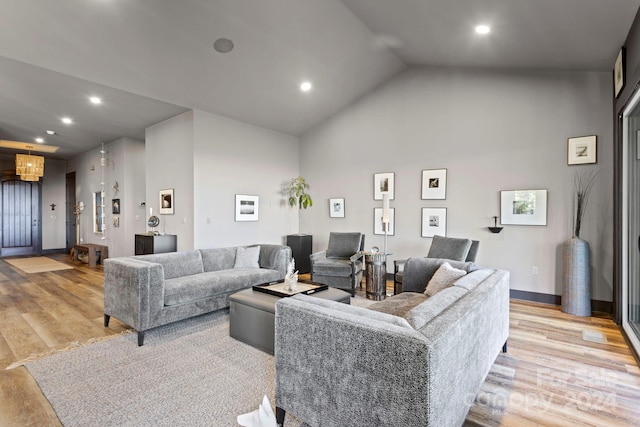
(576, 280)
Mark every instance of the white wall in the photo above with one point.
(124, 164)
(169, 164)
(492, 131)
(232, 158)
(54, 234)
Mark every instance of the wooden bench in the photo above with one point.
(97, 253)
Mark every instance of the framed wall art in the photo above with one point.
(383, 183)
(434, 221)
(378, 225)
(523, 207)
(166, 202)
(247, 207)
(336, 208)
(581, 150)
(618, 72)
(434, 184)
(115, 206)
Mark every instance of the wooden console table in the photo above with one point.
(95, 252)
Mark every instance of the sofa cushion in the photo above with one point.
(418, 271)
(218, 258)
(399, 305)
(449, 247)
(473, 279)
(421, 314)
(334, 267)
(343, 245)
(176, 264)
(181, 290)
(444, 277)
(247, 257)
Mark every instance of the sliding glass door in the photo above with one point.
(631, 222)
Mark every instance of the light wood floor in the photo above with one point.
(551, 375)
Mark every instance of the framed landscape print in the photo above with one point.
(247, 207)
(434, 221)
(581, 150)
(523, 207)
(336, 208)
(378, 225)
(166, 201)
(383, 183)
(434, 184)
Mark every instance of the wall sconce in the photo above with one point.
(495, 228)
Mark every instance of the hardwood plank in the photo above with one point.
(20, 405)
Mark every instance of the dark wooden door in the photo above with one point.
(20, 217)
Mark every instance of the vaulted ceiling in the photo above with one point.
(152, 59)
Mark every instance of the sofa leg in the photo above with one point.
(140, 338)
(106, 320)
(504, 347)
(280, 413)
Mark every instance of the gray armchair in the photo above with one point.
(342, 264)
(451, 248)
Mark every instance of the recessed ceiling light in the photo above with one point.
(39, 140)
(67, 120)
(305, 86)
(223, 45)
(95, 100)
(50, 132)
(483, 29)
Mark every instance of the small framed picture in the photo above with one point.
(166, 201)
(581, 150)
(116, 221)
(523, 207)
(247, 207)
(383, 183)
(434, 184)
(115, 206)
(618, 72)
(378, 221)
(336, 208)
(434, 221)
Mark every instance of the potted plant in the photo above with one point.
(296, 192)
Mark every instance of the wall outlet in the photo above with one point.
(534, 270)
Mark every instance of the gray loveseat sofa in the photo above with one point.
(147, 291)
(340, 365)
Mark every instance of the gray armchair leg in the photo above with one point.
(140, 338)
(280, 413)
(504, 347)
(106, 320)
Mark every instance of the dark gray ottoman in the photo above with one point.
(252, 315)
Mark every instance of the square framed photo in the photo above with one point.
(434, 184)
(581, 150)
(336, 208)
(166, 202)
(618, 72)
(247, 207)
(115, 206)
(523, 207)
(434, 221)
(383, 183)
(378, 225)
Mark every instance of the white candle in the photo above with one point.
(150, 211)
(385, 208)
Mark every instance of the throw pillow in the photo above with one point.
(443, 278)
(247, 257)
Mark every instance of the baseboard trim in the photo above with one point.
(53, 251)
(596, 305)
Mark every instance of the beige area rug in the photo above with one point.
(189, 373)
(38, 264)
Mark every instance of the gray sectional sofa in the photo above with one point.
(147, 291)
(410, 360)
